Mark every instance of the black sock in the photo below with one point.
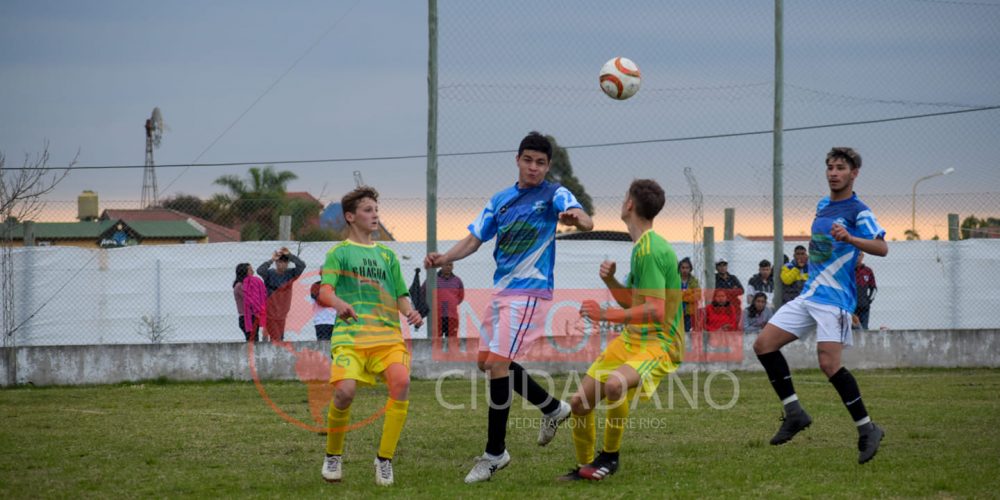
(500, 396)
(847, 387)
(526, 386)
(781, 379)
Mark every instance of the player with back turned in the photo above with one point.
(844, 226)
(362, 281)
(651, 345)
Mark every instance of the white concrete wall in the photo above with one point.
(75, 296)
(106, 364)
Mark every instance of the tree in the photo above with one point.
(911, 235)
(21, 192)
(561, 171)
(191, 205)
(974, 227)
(256, 202)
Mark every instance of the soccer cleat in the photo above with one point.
(791, 424)
(383, 472)
(486, 466)
(868, 443)
(550, 425)
(572, 475)
(331, 470)
(603, 466)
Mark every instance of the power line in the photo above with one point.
(508, 151)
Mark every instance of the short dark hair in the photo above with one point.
(349, 203)
(648, 197)
(847, 154)
(764, 263)
(535, 142)
(800, 247)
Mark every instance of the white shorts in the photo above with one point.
(798, 317)
(512, 324)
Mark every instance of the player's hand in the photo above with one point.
(591, 310)
(607, 270)
(568, 218)
(413, 318)
(347, 314)
(433, 259)
(840, 234)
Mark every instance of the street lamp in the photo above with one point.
(913, 220)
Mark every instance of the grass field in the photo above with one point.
(221, 440)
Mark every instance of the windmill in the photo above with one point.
(154, 132)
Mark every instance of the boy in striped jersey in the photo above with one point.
(362, 281)
(650, 347)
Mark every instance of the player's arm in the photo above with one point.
(577, 218)
(464, 248)
(876, 246)
(622, 295)
(406, 309)
(327, 298)
(650, 311)
(403, 304)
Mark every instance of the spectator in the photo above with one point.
(721, 315)
(323, 318)
(864, 279)
(450, 293)
(279, 283)
(757, 314)
(762, 282)
(795, 274)
(251, 298)
(691, 292)
(731, 284)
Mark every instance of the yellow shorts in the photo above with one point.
(365, 364)
(647, 358)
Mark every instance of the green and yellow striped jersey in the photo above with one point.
(368, 278)
(653, 273)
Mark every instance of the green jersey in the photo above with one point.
(368, 278)
(653, 273)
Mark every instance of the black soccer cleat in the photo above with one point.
(572, 475)
(868, 443)
(603, 466)
(791, 424)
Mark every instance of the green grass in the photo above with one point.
(221, 440)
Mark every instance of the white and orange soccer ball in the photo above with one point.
(620, 78)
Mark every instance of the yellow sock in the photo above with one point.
(584, 437)
(336, 422)
(615, 421)
(395, 417)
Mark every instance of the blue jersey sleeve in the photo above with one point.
(564, 200)
(867, 226)
(485, 225)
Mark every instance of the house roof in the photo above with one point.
(95, 229)
(215, 232)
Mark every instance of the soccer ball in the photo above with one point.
(620, 78)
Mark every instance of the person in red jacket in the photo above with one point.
(721, 315)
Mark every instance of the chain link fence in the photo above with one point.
(910, 84)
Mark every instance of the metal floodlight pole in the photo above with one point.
(432, 182)
(778, 188)
(913, 216)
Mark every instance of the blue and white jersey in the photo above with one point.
(831, 262)
(524, 222)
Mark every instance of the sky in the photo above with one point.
(256, 81)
